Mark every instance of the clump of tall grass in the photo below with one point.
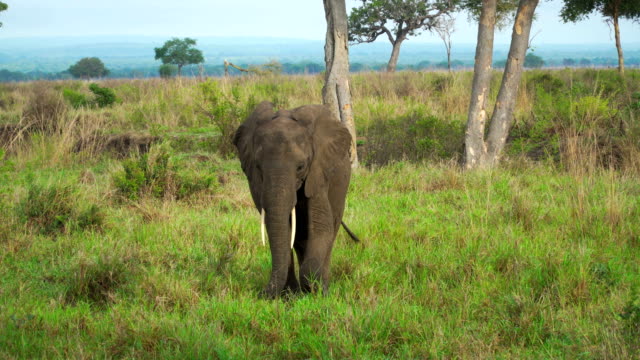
(414, 136)
(57, 208)
(157, 175)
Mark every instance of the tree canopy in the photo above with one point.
(612, 10)
(397, 19)
(3, 7)
(577, 10)
(179, 52)
(505, 9)
(89, 67)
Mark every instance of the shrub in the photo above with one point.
(103, 96)
(55, 209)
(414, 136)
(154, 175)
(546, 81)
(226, 111)
(76, 99)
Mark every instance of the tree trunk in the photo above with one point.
(179, 70)
(502, 117)
(616, 30)
(474, 136)
(477, 152)
(336, 92)
(395, 54)
(449, 57)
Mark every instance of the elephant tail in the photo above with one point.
(351, 234)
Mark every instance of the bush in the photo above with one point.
(76, 99)
(226, 111)
(103, 96)
(155, 175)
(415, 136)
(54, 209)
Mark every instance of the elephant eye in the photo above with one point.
(300, 167)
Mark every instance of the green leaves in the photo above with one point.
(395, 18)
(3, 7)
(577, 10)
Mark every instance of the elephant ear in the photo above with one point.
(243, 140)
(331, 145)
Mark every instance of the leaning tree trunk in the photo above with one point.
(336, 92)
(395, 54)
(475, 148)
(616, 30)
(479, 153)
(502, 117)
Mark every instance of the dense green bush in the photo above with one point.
(103, 96)
(76, 99)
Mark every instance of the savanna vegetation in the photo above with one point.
(128, 230)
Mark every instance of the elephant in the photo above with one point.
(297, 163)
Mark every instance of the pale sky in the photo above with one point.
(303, 19)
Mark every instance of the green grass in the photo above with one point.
(531, 260)
(524, 262)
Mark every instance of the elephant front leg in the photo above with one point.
(292, 282)
(314, 270)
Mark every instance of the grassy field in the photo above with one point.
(159, 256)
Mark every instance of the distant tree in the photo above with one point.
(89, 67)
(612, 10)
(445, 26)
(3, 7)
(179, 52)
(397, 19)
(568, 62)
(533, 61)
(585, 62)
(167, 70)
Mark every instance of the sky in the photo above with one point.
(303, 19)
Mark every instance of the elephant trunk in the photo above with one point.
(278, 208)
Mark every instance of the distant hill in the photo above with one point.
(50, 55)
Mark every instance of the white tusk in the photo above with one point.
(262, 228)
(293, 225)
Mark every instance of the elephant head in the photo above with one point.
(289, 157)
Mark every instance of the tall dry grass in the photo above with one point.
(592, 114)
